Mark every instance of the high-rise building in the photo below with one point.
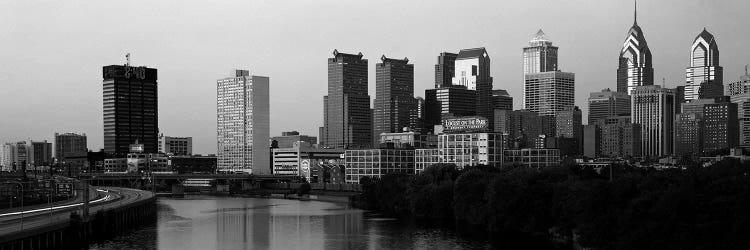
(394, 96)
(568, 124)
(131, 108)
(546, 89)
(739, 93)
(704, 77)
(653, 108)
(540, 56)
(347, 114)
(417, 118)
(243, 124)
(592, 135)
(720, 127)
(473, 71)
(445, 69)
(619, 137)
(521, 127)
(679, 96)
(70, 145)
(71, 151)
(180, 146)
(634, 68)
(607, 103)
(445, 102)
(502, 100)
(40, 153)
(16, 156)
(688, 136)
(549, 92)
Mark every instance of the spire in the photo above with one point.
(635, 12)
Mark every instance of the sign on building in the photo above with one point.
(65, 188)
(465, 124)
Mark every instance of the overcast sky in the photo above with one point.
(52, 52)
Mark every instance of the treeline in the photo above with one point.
(571, 206)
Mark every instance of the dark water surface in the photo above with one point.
(205, 222)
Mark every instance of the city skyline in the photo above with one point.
(185, 89)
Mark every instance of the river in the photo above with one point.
(206, 222)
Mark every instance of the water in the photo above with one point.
(205, 222)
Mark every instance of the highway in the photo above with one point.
(108, 198)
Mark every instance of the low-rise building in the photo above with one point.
(532, 157)
(175, 145)
(409, 140)
(375, 163)
(193, 164)
(302, 157)
(425, 157)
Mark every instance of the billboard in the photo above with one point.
(465, 124)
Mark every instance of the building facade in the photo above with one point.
(445, 69)
(243, 124)
(619, 137)
(302, 158)
(131, 108)
(426, 157)
(394, 96)
(704, 77)
(549, 92)
(739, 93)
(347, 121)
(653, 108)
(569, 125)
(634, 64)
(607, 103)
(472, 70)
(540, 55)
(375, 163)
(502, 100)
(175, 145)
(471, 149)
(409, 140)
(532, 157)
(287, 139)
(720, 127)
(447, 102)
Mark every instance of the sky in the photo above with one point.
(52, 52)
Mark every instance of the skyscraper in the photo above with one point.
(619, 137)
(720, 126)
(704, 77)
(131, 108)
(634, 68)
(540, 56)
(607, 103)
(473, 71)
(394, 95)
(450, 101)
(243, 123)
(653, 108)
(546, 89)
(502, 100)
(71, 151)
(347, 121)
(445, 69)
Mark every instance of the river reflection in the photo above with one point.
(205, 222)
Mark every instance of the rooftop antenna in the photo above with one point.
(663, 82)
(745, 69)
(127, 59)
(635, 12)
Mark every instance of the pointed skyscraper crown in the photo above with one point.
(540, 39)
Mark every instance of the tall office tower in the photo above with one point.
(679, 95)
(40, 153)
(394, 96)
(502, 100)
(71, 150)
(634, 68)
(592, 135)
(179, 146)
(568, 123)
(607, 103)
(445, 69)
(720, 126)
(704, 77)
(348, 118)
(546, 90)
(739, 87)
(653, 108)
(540, 56)
(243, 123)
(416, 120)
(8, 158)
(131, 108)
(446, 102)
(619, 137)
(473, 71)
(688, 136)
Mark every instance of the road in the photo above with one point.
(108, 198)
